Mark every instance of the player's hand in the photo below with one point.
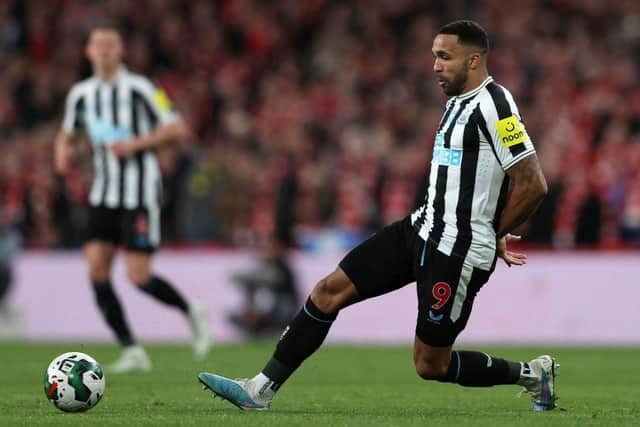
(510, 258)
(123, 149)
(62, 158)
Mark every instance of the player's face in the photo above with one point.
(450, 64)
(104, 48)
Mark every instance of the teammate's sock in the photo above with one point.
(5, 280)
(477, 369)
(161, 290)
(111, 309)
(300, 339)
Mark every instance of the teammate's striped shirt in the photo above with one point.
(128, 106)
(480, 136)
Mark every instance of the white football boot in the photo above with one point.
(539, 382)
(132, 359)
(202, 341)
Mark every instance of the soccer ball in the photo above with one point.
(74, 382)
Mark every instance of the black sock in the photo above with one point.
(111, 309)
(5, 280)
(300, 339)
(163, 291)
(477, 369)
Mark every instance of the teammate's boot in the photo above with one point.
(132, 359)
(240, 392)
(539, 383)
(202, 341)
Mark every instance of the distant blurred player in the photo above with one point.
(270, 292)
(125, 118)
(485, 180)
(10, 242)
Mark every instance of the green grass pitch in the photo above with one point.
(338, 386)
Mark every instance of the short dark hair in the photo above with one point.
(468, 32)
(107, 25)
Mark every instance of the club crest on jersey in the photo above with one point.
(510, 131)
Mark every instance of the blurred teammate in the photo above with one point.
(10, 243)
(125, 118)
(485, 180)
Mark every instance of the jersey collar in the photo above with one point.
(475, 91)
(122, 70)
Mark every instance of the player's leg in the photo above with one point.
(103, 236)
(5, 279)
(140, 274)
(99, 255)
(478, 369)
(446, 290)
(7, 313)
(467, 368)
(300, 339)
(379, 265)
(308, 329)
(141, 240)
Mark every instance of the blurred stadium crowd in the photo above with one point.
(317, 114)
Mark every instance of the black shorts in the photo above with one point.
(136, 229)
(446, 286)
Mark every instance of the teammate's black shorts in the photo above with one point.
(135, 229)
(446, 286)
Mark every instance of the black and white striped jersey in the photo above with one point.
(119, 110)
(480, 136)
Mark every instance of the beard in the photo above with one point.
(456, 86)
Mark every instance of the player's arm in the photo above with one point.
(170, 128)
(63, 151)
(515, 152)
(67, 136)
(527, 189)
(163, 134)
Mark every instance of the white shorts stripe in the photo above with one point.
(461, 292)
(154, 225)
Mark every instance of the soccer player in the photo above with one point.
(485, 180)
(126, 118)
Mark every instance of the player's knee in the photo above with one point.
(431, 369)
(325, 297)
(138, 278)
(98, 273)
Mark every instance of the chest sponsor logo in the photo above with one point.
(102, 132)
(445, 156)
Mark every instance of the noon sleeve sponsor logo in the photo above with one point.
(161, 100)
(510, 131)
